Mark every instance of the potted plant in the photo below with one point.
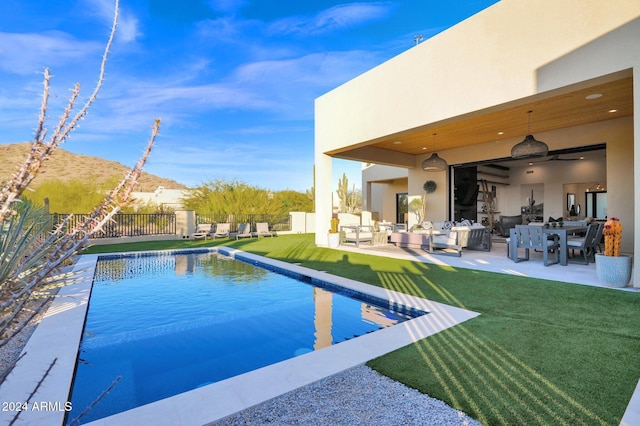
(419, 205)
(416, 206)
(612, 268)
(334, 234)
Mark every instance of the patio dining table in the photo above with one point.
(562, 232)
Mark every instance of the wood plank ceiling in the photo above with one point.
(571, 107)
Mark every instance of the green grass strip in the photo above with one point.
(541, 352)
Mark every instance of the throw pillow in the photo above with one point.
(447, 225)
(426, 225)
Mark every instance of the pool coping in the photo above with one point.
(58, 337)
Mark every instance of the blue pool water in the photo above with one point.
(170, 323)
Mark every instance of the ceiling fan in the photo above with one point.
(556, 157)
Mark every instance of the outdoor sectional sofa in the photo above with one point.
(445, 238)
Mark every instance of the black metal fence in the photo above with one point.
(138, 224)
(277, 222)
(127, 225)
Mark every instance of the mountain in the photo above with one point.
(64, 165)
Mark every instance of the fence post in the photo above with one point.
(185, 223)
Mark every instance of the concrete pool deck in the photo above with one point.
(54, 344)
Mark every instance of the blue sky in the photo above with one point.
(234, 81)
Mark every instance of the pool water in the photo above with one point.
(170, 323)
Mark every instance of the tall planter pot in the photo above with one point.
(613, 271)
(334, 240)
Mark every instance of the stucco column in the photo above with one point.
(185, 223)
(366, 195)
(323, 197)
(636, 172)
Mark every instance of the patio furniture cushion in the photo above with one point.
(202, 231)
(453, 240)
(410, 239)
(356, 234)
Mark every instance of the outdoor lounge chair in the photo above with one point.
(222, 230)
(262, 230)
(244, 231)
(202, 231)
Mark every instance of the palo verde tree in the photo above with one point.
(235, 197)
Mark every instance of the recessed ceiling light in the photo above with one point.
(530, 163)
(397, 142)
(424, 148)
(613, 110)
(593, 96)
(501, 133)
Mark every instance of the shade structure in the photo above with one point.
(434, 164)
(529, 147)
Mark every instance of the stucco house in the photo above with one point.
(563, 71)
(161, 197)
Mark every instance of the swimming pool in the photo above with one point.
(170, 323)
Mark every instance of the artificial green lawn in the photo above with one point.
(541, 352)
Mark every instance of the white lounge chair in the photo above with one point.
(244, 231)
(262, 230)
(202, 231)
(222, 230)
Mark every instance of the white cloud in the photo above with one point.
(28, 53)
(283, 88)
(127, 23)
(333, 19)
(193, 166)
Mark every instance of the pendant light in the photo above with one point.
(434, 163)
(529, 147)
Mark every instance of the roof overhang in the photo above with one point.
(569, 106)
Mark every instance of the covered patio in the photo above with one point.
(495, 260)
(474, 91)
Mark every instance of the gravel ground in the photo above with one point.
(358, 396)
(10, 352)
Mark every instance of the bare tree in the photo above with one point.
(31, 251)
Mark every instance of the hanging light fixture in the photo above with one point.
(529, 147)
(434, 163)
(596, 187)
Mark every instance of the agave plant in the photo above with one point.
(20, 237)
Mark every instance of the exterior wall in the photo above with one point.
(161, 197)
(387, 212)
(302, 222)
(380, 184)
(489, 59)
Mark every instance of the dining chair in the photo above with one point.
(533, 237)
(588, 245)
